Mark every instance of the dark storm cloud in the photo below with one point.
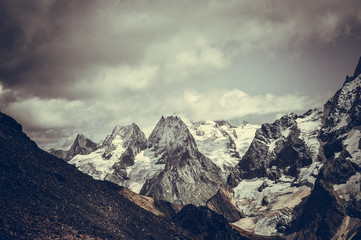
(71, 64)
(48, 45)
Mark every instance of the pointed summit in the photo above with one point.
(356, 73)
(124, 136)
(357, 69)
(114, 155)
(56, 201)
(170, 132)
(81, 145)
(188, 175)
(342, 111)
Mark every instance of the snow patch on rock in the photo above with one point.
(266, 208)
(145, 167)
(352, 144)
(350, 189)
(215, 141)
(309, 129)
(93, 164)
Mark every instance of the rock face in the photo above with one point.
(205, 223)
(157, 207)
(170, 133)
(277, 172)
(43, 197)
(82, 146)
(125, 143)
(131, 138)
(222, 203)
(188, 176)
(334, 206)
(283, 147)
(168, 166)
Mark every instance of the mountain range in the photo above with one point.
(296, 178)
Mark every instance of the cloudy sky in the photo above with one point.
(69, 66)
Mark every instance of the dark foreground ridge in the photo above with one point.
(207, 224)
(43, 197)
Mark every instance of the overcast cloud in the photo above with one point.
(84, 66)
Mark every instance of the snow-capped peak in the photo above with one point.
(339, 108)
(116, 152)
(124, 132)
(170, 132)
(223, 143)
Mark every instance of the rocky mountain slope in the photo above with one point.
(299, 176)
(333, 210)
(177, 157)
(277, 172)
(279, 167)
(110, 160)
(222, 203)
(188, 175)
(43, 197)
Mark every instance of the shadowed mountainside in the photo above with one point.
(43, 197)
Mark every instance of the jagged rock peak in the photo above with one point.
(188, 175)
(170, 132)
(224, 123)
(56, 201)
(357, 69)
(342, 110)
(279, 128)
(114, 155)
(222, 203)
(126, 133)
(80, 138)
(356, 73)
(125, 142)
(81, 145)
(283, 147)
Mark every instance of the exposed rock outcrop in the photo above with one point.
(277, 172)
(157, 207)
(222, 203)
(115, 154)
(188, 176)
(336, 198)
(280, 149)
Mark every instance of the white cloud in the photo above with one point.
(47, 113)
(186, 56)
(111, 82)
(227, 104)
(187, 64)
